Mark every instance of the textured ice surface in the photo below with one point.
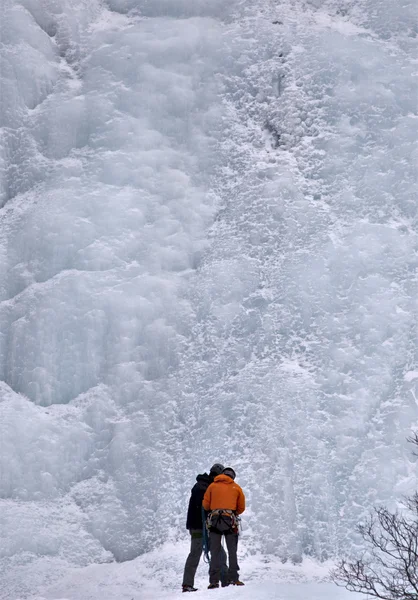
(208, 252)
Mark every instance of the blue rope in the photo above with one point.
(206, 556)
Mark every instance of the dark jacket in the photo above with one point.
(194, 514)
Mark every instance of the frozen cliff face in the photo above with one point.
(307, 299)
(100, 242)
(208, 252)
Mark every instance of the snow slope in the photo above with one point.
(158, 575)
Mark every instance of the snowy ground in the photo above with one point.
(158, 575)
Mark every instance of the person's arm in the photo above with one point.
(207, 498)
(240, 502)
(191, 510)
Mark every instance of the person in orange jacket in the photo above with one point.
(225, 500)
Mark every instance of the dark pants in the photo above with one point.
(216, 549)
(192, 561)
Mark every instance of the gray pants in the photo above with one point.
(192, 562)
(216, 549)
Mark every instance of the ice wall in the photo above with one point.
(103, 228)
(306, 349)
(208, 252)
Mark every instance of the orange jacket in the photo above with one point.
(224, 493)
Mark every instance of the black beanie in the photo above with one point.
(216, 469)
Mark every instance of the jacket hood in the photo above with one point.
(204, 477)
(223, 479)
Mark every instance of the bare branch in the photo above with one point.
(391, 571)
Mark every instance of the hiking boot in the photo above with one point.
(189, 588)
(213, 586)
(224, 583)
(237, 582)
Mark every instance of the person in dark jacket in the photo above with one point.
(195, 526)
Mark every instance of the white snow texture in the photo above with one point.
(208, 252)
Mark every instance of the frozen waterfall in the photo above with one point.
(208, 251)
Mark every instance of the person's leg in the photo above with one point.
(215, 557)
(223, 564)
(232, 545)
(224, 568)
(193, 559)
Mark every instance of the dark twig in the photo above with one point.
(391, 570)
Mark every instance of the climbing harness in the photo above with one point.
(223, 520)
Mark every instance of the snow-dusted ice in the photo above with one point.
(208, 251)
